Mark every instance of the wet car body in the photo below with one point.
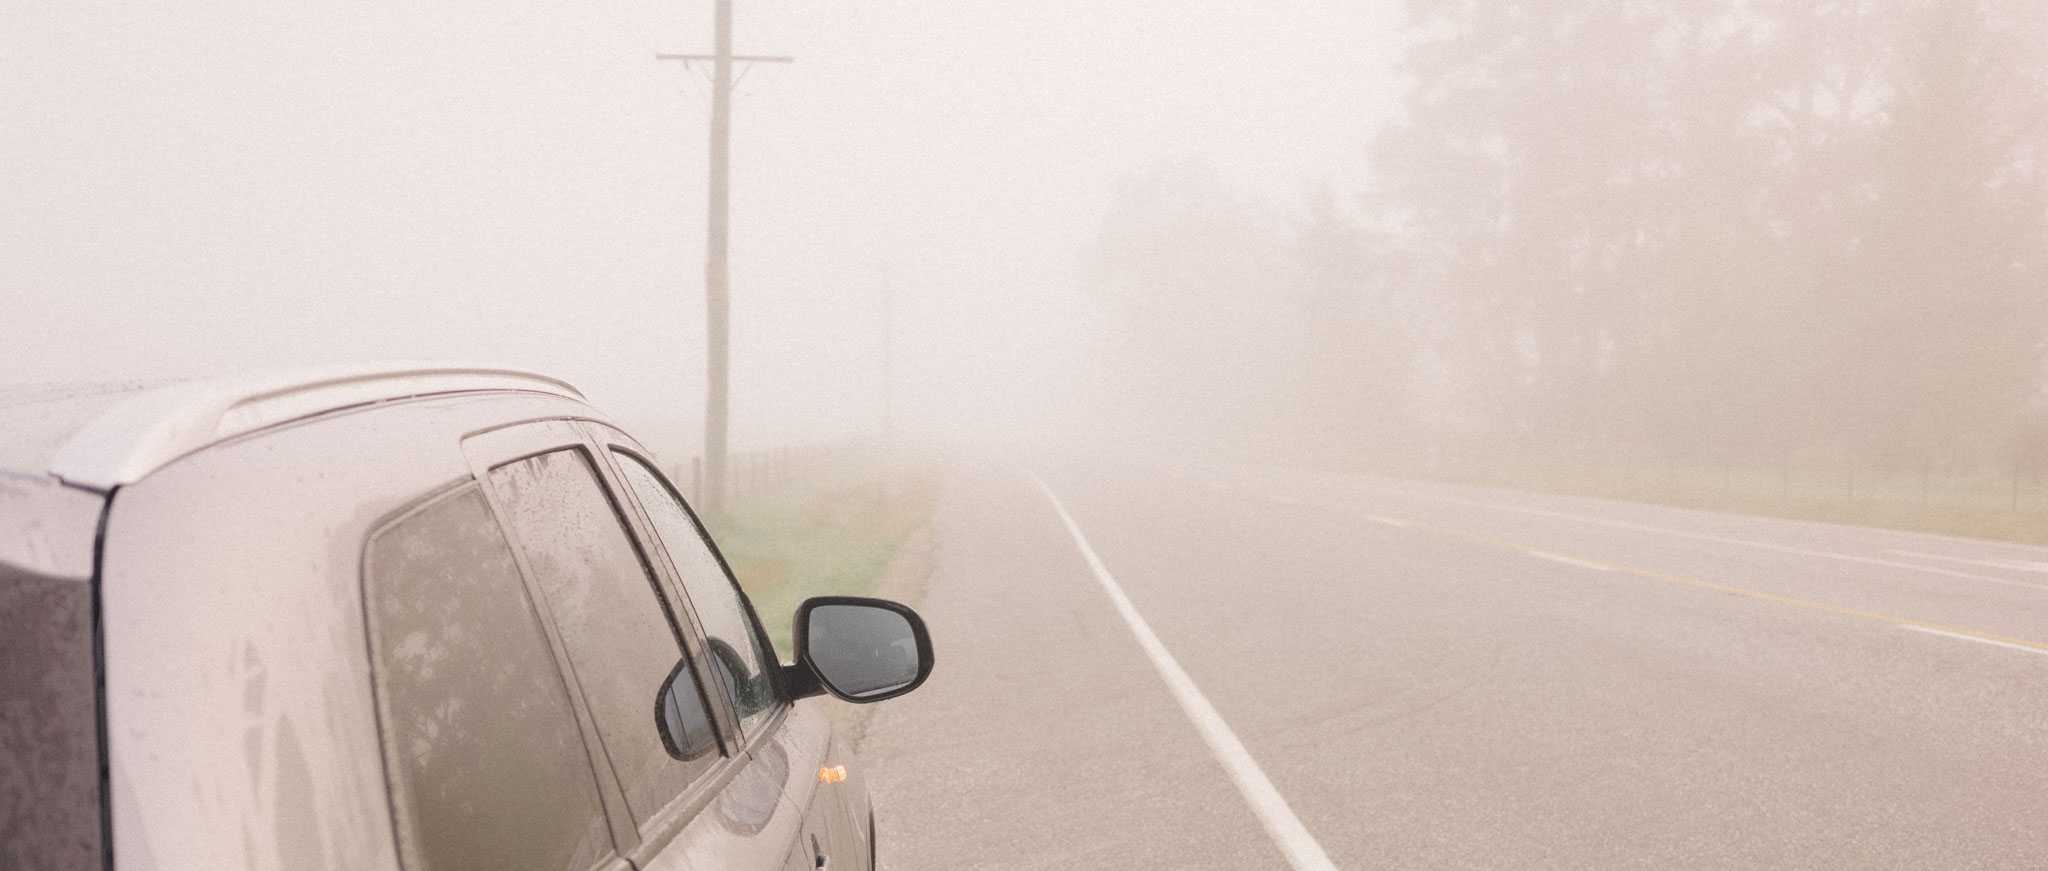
(264, 700)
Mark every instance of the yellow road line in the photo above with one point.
(1569, 560)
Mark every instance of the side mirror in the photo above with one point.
(861, 650)
(681, 717)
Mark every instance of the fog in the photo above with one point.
(1368, 235)
(198, 188)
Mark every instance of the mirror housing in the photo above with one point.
(681, 717)
(858, 649)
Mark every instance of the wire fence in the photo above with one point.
(769, 472)
(1963, 499)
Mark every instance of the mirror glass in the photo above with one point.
(861, 651)
(685, 723)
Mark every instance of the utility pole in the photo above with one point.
(886, 481)
(717, 292)
(888, 363)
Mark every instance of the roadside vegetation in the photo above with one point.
(826, 536)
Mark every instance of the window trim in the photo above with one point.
(641, 530)
(606, 440)
(743, 745)
(669, 823)
(613, 441)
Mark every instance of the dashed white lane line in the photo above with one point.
(1387, 521)
(1961, 637)
(1293, 839)
(1568, 560)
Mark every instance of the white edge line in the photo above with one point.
(1570, 561)
(1961, 637)
(2010, 565)
(1720, 539)
(1293, 838)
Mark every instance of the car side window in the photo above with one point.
(741, 655)
(487, 766)
(603, 601)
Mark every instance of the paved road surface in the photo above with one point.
(1443, 677)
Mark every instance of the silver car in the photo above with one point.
(420, 618)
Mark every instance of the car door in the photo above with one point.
(620, 630)
(796, 738)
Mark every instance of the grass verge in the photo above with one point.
(835, 538)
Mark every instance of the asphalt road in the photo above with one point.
(1441, 677)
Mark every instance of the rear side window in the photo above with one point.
(487, 767)
(611, 619)
(49, 723)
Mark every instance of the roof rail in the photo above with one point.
(141, 434)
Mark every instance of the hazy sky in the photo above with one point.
(195, 187)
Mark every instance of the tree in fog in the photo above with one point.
(1950, 250)
(1534, 184)
(1730, 231)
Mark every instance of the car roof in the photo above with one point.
(103, 436)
